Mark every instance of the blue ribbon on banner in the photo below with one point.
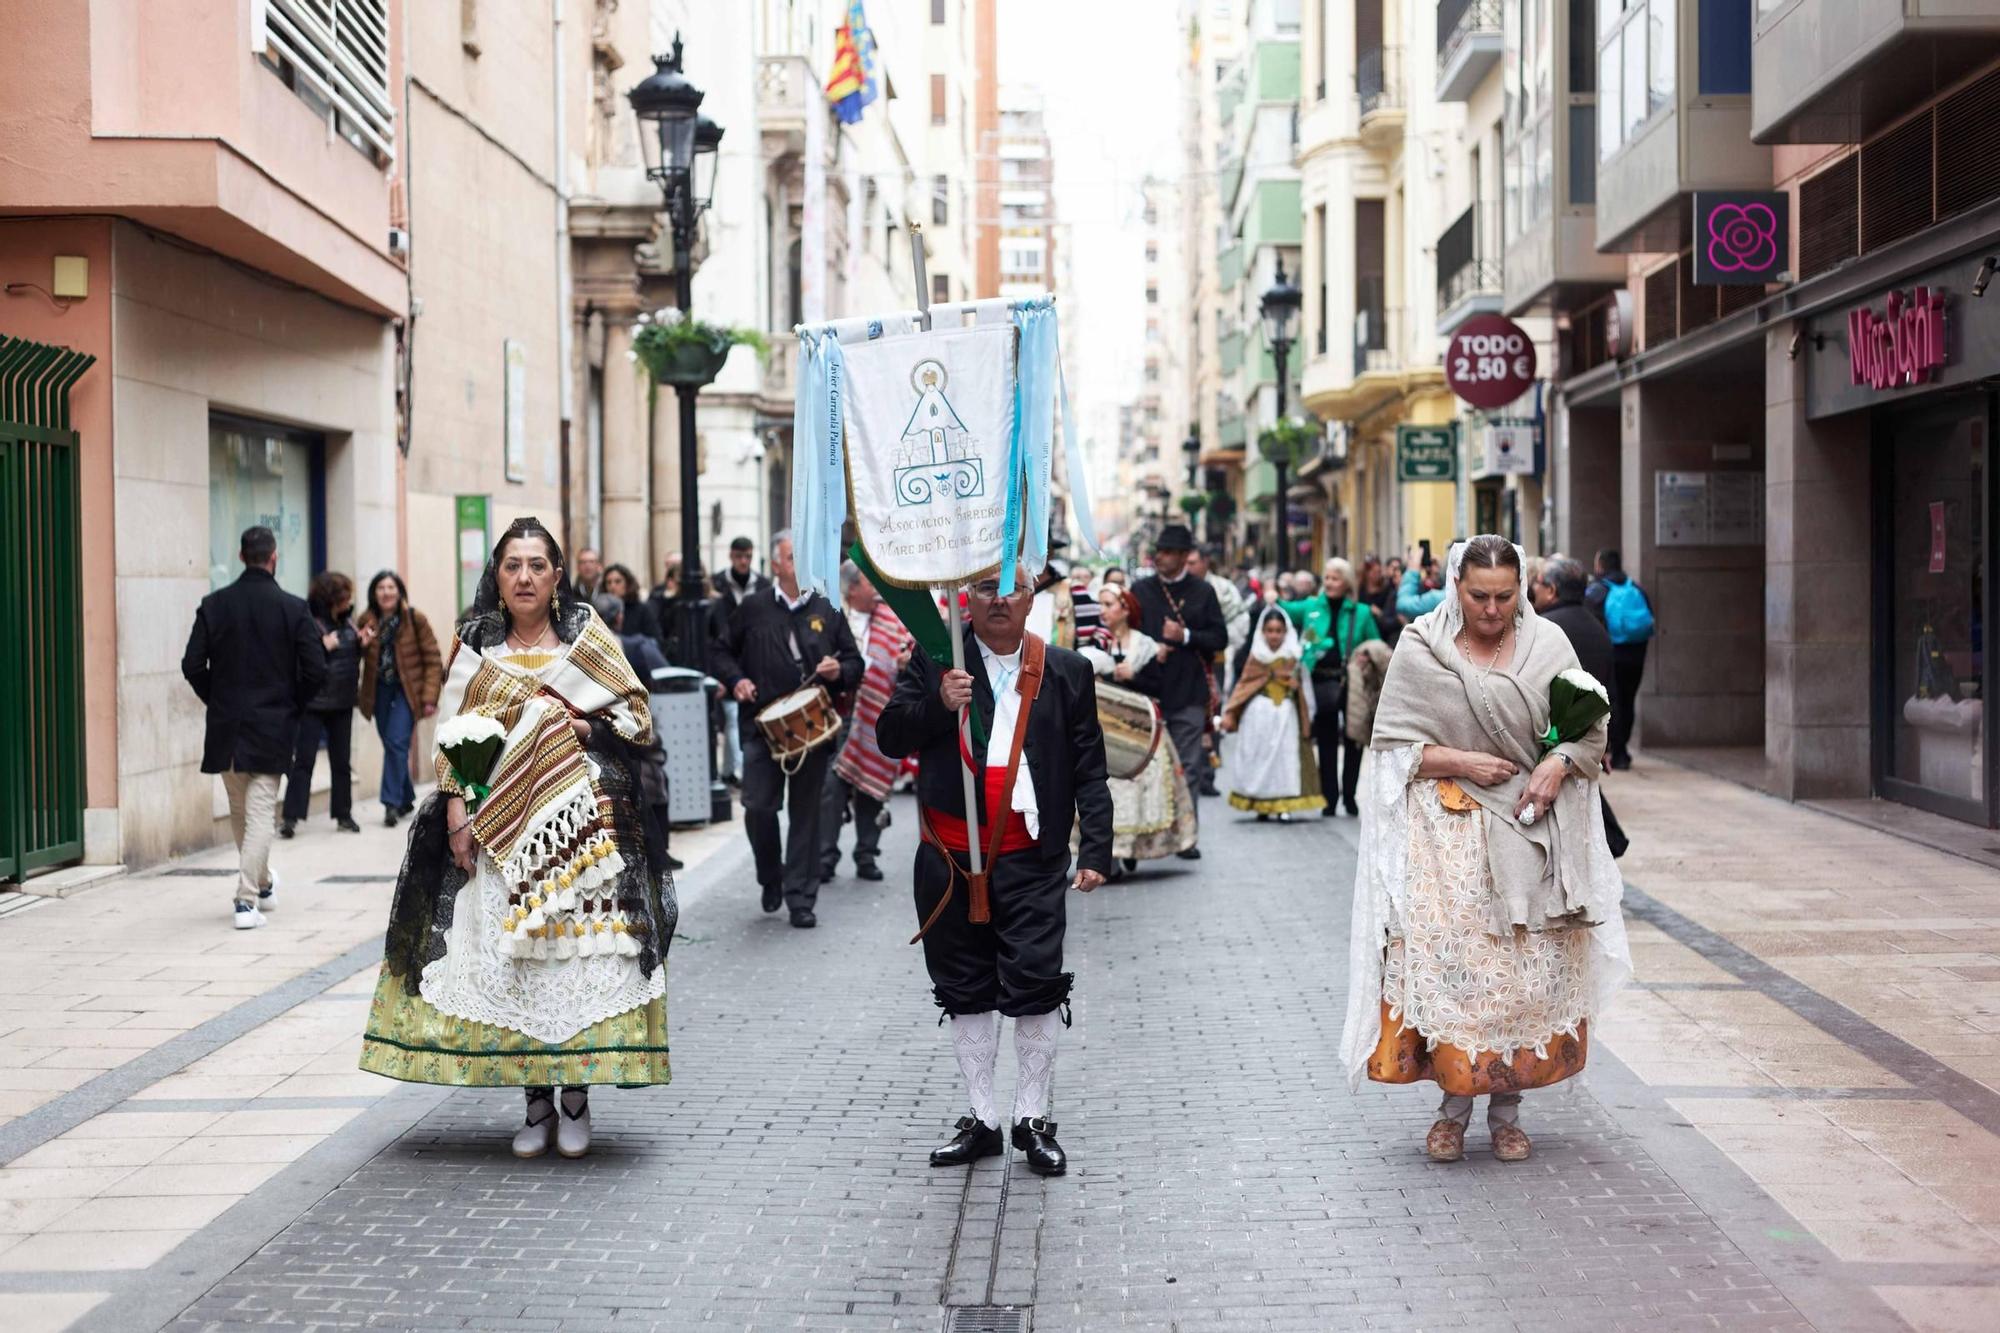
(819, 477)
(1079, 490)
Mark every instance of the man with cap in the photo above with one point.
(1180, 613)
(994, 944)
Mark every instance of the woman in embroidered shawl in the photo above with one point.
(527, 942)
(1152, 814)
(1487, 930)
(1272, 767)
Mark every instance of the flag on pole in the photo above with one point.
(853, 84)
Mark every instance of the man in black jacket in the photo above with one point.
(1559, 599)
(255, 658)
(1181, 612)
(775, 643)
(1011, 963)
(733, 586)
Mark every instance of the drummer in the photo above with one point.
(775, 645)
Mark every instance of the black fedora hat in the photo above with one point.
(1174, 537)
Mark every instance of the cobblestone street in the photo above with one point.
(241, 1173)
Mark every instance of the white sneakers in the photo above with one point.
(248, 917)
(533, 1138)
(267, 897)
(569, 1131)
(573, 1126)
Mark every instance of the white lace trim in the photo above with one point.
(1382, 902)
(550, 1000)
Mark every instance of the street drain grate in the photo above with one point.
(186, 872)
(986, 1319)
(357, 879)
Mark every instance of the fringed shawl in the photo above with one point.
(861, 761)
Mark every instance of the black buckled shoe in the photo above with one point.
(774, 897)
(1037, 1138)
(870, 872)
(975, 1139)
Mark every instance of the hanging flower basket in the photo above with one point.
(681, 351)
(1193, 504)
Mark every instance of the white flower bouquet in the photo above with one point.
(471, 741)
(1577, 700)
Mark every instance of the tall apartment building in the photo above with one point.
(1214, 34)
(1026, 195)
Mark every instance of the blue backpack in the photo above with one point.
(1627, 613)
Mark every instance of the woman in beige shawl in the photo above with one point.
(1487, 929)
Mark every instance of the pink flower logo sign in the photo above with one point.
(1743, 238)
(1740, 237)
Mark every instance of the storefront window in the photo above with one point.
(266, 475)
(1937, 581)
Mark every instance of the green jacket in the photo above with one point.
(1314, 616)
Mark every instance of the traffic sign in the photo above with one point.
(1489, 361)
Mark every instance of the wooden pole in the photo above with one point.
(949, 596)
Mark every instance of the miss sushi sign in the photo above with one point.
(1901, 345)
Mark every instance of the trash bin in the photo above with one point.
(679, 699)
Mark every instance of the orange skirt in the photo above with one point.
(1400, 1057)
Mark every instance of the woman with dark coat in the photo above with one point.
(640, 618)
(401, 674)
(330, 714)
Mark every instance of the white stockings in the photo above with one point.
(1035, 1052)
(975, 1040)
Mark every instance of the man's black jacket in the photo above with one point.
(254, 657)
(1184, 671)
(756, 644)
(1063, 753)
(1594, 649)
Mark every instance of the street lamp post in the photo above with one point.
(680, 138)
(1280, 307)
(1191, 447)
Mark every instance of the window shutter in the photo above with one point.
(340, 48)
(1829, 221)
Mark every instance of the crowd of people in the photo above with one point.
(1072, 733)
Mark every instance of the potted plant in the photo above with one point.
(1287, 442)
(678, 350)
(1192, 504)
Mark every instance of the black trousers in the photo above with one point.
(793, 860)
(338, 728)
(837, 798)
(1629, 662)
(1185, 728)
(1339, 757)
(1014, 963)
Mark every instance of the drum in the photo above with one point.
(798, 724)
(1132, 730)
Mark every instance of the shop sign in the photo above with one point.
(1509, 449)
(1489, 361)
(1739, 237)
(1427, 453)
(473, 538)
(1902, 346)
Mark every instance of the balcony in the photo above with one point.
(786, 91)
(1378, 90)
(1837, 71)
(1468, 46)
(1468, 271)
(1377, 341)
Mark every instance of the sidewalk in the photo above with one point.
(157, 1066)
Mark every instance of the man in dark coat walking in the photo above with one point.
(1006, 961)
(1182, 614)
(775, 643)
(1559, 598)
(733, 586)
(255, 658)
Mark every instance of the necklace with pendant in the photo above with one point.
(1485, 701)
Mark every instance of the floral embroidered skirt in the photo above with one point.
(410, 1039)
(1473, 1012)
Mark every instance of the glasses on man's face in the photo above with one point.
(987, 589)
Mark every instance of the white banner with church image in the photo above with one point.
(930, 418)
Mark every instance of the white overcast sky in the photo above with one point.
(1109, 73)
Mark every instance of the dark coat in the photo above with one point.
(342, 685)
(641, 654)
(1063, 753)
(640, 618)
(757, 646)
(1594, 650)
(419, 665)
(1184, 675)
(722, 606)
(254, 657)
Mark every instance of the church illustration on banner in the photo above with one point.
(937, 458)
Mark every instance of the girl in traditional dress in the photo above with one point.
(1152, 814)
(527, 942)
(1272, 769)
(1487, 930)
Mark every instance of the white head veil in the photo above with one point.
(1262, 651)
(1454, 561)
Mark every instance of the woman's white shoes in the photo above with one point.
(533, 1139)
(573, 1125)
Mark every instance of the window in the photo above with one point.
(1528, 141)
(937, 99)
(940, 200)
(937, 11)
(940, 289)
(1725, 46)
(1637, 49)
(335, 55)
(1660, 34)
(1152, 294)
(271, 476)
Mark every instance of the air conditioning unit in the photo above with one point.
(399, 241)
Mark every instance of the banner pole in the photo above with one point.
(923, 282)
